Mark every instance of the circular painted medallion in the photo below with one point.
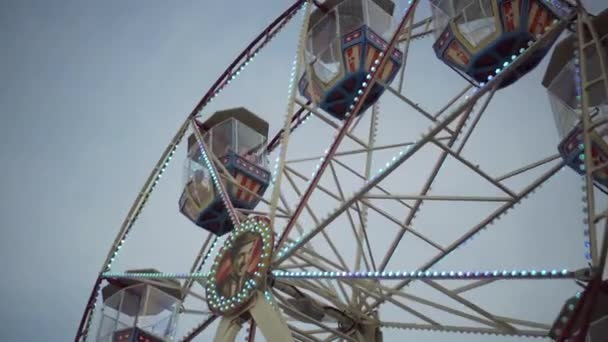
(240, 266)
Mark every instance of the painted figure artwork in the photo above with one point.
(239, 264)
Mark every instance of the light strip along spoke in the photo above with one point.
(372, 76)
(432, 275)
(469, 330)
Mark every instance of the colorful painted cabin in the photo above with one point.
(237, 138)
(560, 82)
(344, 39)
(598, 318)
(478, 38)
(137, 312)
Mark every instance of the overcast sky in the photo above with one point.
(93, 91)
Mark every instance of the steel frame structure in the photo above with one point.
(352, 294)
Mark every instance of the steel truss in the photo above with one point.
(310, 268)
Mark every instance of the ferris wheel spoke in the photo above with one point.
(441, 307)
(474, 168)
(408, 38)
(469, 330)
(302, 335)
(199, 329)
(427, 185)
(373, 291)
(396, 163)
(525, 323)
(527, 167)
(373, 77)
(489, 219)
(490, 86)
(199, 261)
(473, 285)
(306, 179)
(499, 323)
(403, 228)
(480, 112)
(423, 28)
(331, 123)
(439, 198)
(312, 261)
(284, 304)
(358, 237)
(289, 211)
(584, 27)
(378, 187)
(316, 221)
(357, 151)
(453, 100)
(328, 285)
(415, 106)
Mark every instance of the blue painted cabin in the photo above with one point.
(559, 79)
(344, 39)
(478, 38)
(133, 311)
(237, 138)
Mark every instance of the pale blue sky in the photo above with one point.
(93, 91)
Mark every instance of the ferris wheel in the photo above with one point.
(336, 254)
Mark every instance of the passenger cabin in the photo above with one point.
(479, 38)
(344, 39)
(237, 138)
(133, 311)
(560, 81)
